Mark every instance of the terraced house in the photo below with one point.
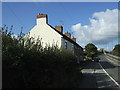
(54, 35)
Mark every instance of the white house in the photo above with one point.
(50, 35)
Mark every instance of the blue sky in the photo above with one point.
(64, 13)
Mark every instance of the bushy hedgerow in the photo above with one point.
(116, 50)
(32, 66)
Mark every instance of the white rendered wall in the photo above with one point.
(46, 33)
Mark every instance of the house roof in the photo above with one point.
(65, 37)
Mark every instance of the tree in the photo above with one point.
(116, 50)
(101, 50)
(90, 50)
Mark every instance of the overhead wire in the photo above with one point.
(68, 14)
(18, 18)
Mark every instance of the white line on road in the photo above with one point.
(113, 62)
(103, 81)
(105, 86)
(102, 87)
(109, 76)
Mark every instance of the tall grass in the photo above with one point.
(30, 65)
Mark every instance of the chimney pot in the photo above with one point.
(41, 15)
(59, 28)
(68, 34)
(74, 39)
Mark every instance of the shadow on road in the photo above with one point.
(92, 64)
(107, 65)
(89, 81)
(103, 81)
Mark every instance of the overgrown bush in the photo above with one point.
(32, 66)
(116, 50)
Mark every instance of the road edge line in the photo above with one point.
(109, 76)
(113, 61)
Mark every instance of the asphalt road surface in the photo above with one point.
(111, 67)
(103, 74)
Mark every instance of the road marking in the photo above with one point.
(112, 59)
(113, 56)
(105, 86)
(101, 86)
(103, 81)
(109, 76)
(116, 63)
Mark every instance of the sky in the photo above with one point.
(89, 22)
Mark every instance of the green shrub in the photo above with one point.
(116, 50)
(32, 66)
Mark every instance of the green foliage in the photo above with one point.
(27, 64)
(116, 50)
(90, 50)
(101, 50)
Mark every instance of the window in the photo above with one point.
(65, 44)
(72, 46)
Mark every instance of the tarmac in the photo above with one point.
(95, 77)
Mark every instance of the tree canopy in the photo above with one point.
(116, 50)
(90, 50)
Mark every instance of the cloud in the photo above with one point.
(103, 28)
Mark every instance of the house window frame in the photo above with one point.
(72, 45)
(65, 44)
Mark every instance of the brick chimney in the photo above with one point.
(41, 15)
(68, 34)
(59, 28)
(74, 39)
(41, 18)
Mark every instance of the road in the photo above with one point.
(103, 74)
(111, 67)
